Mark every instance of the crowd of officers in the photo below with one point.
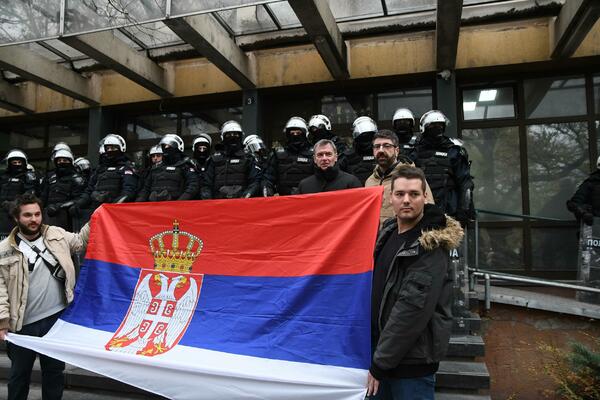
(242, 167)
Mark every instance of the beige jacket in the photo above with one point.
(14, 273)
(386, 181)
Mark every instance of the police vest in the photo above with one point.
(60, 188)
(438, 170)
(231, 175)
(292, 168)
(109, 179)
(170, 178)
(14, 185)
(360, 166)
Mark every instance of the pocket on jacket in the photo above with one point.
(415, 288)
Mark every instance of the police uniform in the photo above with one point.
(359, 166)
(13, 184)
(178, 181)
(112, 181)
(59, 188)
(231, 176)
(447, 168)
(286, 168)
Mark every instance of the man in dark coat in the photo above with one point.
(328, 176)
(585, 203)
(412, 293)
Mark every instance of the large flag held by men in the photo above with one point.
(230, 299)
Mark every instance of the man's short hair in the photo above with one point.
(324, 142)
(23, 200)
(410, 172)
(387, 134)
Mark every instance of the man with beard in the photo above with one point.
(60, 189)
(403, 123)
(389, 162)
(446, 165)
(175, 178)
(232, 173)
(411, 303)
(360, 160)
(288, 165)
(114, 181)
(14, 181)
(327, 176)
(37, 278)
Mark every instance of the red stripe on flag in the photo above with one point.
(325, 233)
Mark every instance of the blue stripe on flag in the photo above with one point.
(320, 319)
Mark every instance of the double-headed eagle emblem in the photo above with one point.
(165, 297)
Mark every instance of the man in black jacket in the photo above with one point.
(412, 293)
(327, 177)
(585, 203)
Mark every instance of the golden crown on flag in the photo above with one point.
(175, 259)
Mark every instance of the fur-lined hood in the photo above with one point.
(448, 237)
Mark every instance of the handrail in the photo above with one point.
(537, 281)
(524, 216)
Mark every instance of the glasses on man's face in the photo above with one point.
(385, 146)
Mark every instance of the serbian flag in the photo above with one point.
(237, 299)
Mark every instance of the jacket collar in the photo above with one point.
(437, 230)
(46, 234)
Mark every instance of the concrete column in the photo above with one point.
(251, 114)
(100, 123)
(446, 101)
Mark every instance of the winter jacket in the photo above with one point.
(14, 271)
(415, 316)
(385, 179)
(328, 181)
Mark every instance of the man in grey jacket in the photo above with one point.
(412, 293)
(37, 277)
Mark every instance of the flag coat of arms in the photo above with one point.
(242, 299)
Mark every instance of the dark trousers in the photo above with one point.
(22, 360)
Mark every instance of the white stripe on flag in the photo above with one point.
(192, 373)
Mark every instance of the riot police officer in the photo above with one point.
(319, 127)
(403, 124)
(174, 178)
(232, 173)
(288, 165)
(254, 146)
(115, 180)
(155, 156)
(359, 160)
(585, 203)
(61, 187)
(14, 181)
(84, 167)
(446, 165)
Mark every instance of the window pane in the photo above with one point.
(285, 15)
(190, 6)
(248, 20)
(343, 110)
(418, 101)
(558, 162)
(554, 249)
(407, 6)
(501, 248)
(73, 134)
(597, 94)
(23, 138)
(355, 9)
(26, 19)
(154, 34)
(207, 121)
(488, 103)
(494, 153)
(547, 97)
(84, 16)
